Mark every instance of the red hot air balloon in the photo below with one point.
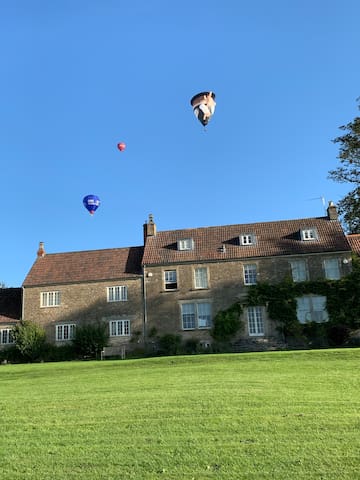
(121, 146)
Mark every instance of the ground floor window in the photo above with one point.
(6, 336)
(65, 332)
(255, 321)
(119, 328)
(196, 315)
(311, 308)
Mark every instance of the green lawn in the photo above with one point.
(279, 415)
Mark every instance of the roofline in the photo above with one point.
(216, 260)
(266, 222)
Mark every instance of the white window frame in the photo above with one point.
(250, 273)
(119, 328)
(332, 268)
(196, 315)
(185, 244)
(311, 308)
(247, 239)
(299, 270)
(309, 234)
(170, 280)
(65, 332)
(201, 280)
(50, 299)
(255, 318)
(6, 337)
(118, 293)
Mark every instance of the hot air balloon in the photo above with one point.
(203, 106)
(121, 146)
(91, 203)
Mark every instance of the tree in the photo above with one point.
(349, 172)
(29, 339)
(90, 339)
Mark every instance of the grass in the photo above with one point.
(279, 415)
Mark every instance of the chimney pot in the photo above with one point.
(41, 250)
(331, 211)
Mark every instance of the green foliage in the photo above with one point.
(343, 305)
(169, 344)
(227, 323)
(349, 172)
(29, 339)
(90, 339)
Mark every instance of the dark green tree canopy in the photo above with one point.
(349, 172)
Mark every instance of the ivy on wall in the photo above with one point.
(227, 323)
(342, 304)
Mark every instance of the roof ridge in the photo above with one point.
(247, 224)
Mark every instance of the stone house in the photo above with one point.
(180, 279)
(63, 290)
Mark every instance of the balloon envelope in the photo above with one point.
(203, 106)
(121, 146)
(91, 203)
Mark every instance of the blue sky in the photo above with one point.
(79, 76)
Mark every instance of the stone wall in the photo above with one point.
(85, 303)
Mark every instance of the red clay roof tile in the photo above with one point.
(86, 266)
(272, 239)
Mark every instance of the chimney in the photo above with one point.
(41, 251)
(149, 228)
(331, 211)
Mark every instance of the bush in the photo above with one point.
(169, 344)
(29, 339)
(90, 339)
(191, 346)
(338, 335)
(11, 354)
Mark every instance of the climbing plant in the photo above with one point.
(342, 304)
(227, 323)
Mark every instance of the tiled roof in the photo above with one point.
(354, 241)
(272, 239)
(10, 304)
(86, 266)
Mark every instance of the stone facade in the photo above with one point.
(162, 294)
(86, 303)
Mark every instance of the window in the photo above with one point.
(308, 234)
(117, 294)
(170, 280)
(250, 274)
(201, 278)
(247, 239)
(6, 336)
(311, 308)
(119, 328)
(299, 271)
(255, 321)
(65, 332)
(50, 299)
(332, 270)
(196, 315)
(186, 244)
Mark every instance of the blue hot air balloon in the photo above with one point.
(91, 203)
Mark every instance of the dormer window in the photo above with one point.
(247, 239)
(308, 234)
(185, 244)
